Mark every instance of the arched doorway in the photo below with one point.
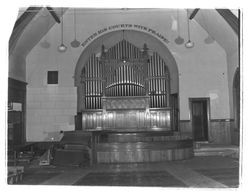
(127, 83)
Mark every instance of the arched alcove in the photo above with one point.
(159, 57)
(137, 38)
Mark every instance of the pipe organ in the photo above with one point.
(125, 88)
(158, 82)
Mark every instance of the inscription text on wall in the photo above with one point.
(124, 26)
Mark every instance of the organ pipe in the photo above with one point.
(105, 79)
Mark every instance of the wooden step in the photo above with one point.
(214, 150)
(152, 151)
(71, 157)
(76, 137)
(76, 147)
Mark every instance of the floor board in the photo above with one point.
(35, 179)
(196, 172)
(227, 176)
(135, 178)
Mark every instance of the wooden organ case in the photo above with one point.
(125, 89)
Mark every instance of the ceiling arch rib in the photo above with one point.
(32, 29)
(21, 24)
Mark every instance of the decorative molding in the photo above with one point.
(125, 103)
(122, 27)
(221, 120)
(21, 23)
(211, 120)
(185, 121)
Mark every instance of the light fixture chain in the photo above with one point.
(62, 27)
(188, 26)
(178, 22)
(75, 22)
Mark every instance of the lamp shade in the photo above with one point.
(45, 44)
(189, 44)
(75, 43)
(62, 48)
(179, 40)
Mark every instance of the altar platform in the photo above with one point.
(109, 146)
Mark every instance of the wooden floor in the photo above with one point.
(127, 178)
(226, 176)
(210, 171)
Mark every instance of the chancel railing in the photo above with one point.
(126, 89)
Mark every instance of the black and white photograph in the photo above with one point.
(124, 97)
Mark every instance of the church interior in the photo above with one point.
(124, 97)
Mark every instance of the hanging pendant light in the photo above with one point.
(189, 43)
(209, 39)
(75, 43)
(179, 40)
(45, 44)
(62, 48)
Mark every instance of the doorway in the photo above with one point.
(199, 108)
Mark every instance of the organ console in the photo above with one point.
(126, 89)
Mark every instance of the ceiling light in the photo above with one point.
(189, 43)
(45, 44)
(75, 43)
(179, 40)
(62, 48)
(209, 40)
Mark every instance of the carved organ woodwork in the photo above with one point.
(125, 89)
